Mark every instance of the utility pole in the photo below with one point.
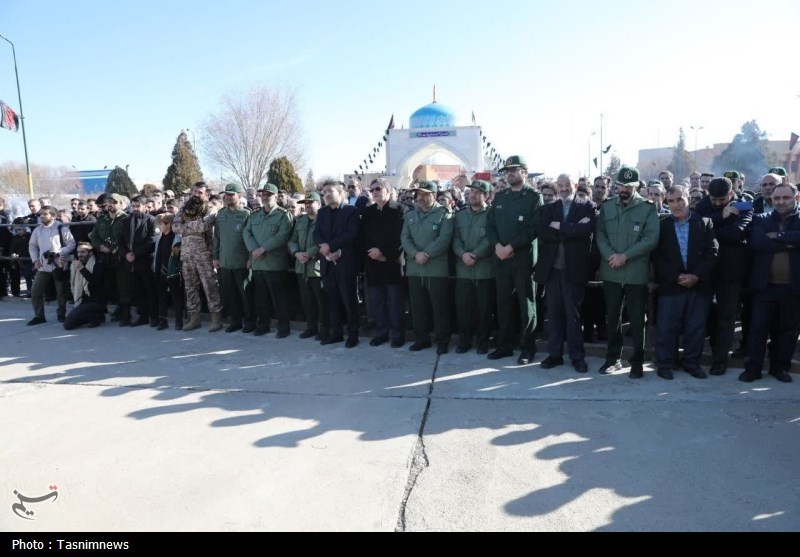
(21, 118)
(602, 168)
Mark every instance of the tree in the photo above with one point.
(119, 182)
(251, 129)
(282, 174)
(613, 167)
(747, 153)
(149, 189)
(682, 162)
(310, 184)
(184, 172)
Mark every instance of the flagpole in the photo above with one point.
(21, 117)
(602, 169)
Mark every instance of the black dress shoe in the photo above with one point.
(526, 357)
(420, 345)
(260, 332)
(442, 348)
(398, 342)
(248, 328)
(740, 353)
(665, 373)
(377, 341)
(351, 342)
(154, 322)
(139, 322)
(482, 349)
(718, 368)
(461, 348)
(637, 371)
(781, 376)
(282, 334)
(331, 340)
(749, 376)
(697, 373)
(37, 321)
(94, 324)
(162, 324)
(61, 318)
(580, 366)
(500, 353)
(609, 366)
(233, 327)
(308, 333)
(550, 362)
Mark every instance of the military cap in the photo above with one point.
(426, 185)
(628, 176)
(269, 188)
(482, 185)
(779, 170)
(234, 188)
(655, 183)
(311, 197)
(513, 162)
(732, 175)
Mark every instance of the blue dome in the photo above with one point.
(433, 115)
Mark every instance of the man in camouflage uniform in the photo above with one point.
(107, 241)
(229, 256)
(266, 236)
(307, 268)
(195, 230)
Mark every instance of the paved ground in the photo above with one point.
(145, 430)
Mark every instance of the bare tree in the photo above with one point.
(251, 129)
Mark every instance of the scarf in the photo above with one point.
(79, 285)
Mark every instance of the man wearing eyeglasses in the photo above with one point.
(353, 191)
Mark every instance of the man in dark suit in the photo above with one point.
(684, 261)
(336, 233)
(565, 241)
(138, 243)
(775, 282)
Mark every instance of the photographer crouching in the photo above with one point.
(87, 281)
(50, 248)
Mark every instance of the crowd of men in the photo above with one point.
(481, 261)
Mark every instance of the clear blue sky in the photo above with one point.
(113, 83)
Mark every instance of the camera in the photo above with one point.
(50, 256)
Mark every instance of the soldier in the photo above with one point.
(229, 255)
(307, 269)
(107, 241)
(266, 236)
(512, 227)
(474, 270)
(194, 222)
(627, 231)
(426, 238)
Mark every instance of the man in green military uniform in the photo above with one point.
(307, 268)
(512, 227)
(266, 236)
(474, 269)
(106, 238)
(627, 231)
(229, 256)
(426, 238)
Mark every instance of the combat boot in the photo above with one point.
(194, 322)
(216, 322)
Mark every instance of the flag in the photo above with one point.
(793, 140)
(8, 118)
(607, 150)
(473, 117)
(595, 162)
(391, 124)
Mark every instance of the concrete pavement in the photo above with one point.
(170, 431)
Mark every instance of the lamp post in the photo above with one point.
(194, 143)
(589, 152)
(696, 131)
(21, 118)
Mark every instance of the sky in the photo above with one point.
(113, 83)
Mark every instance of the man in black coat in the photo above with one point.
(684, 262)
(731, 228)
(775, 282)
(565, 235)
(138, 243)
(88, 289)
(336, 233)
(82, 215)
(5, 243)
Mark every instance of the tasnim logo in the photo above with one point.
(22, 511)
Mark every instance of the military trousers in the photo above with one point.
(474, 303)
(314, 300)
(516, 286)
(430, 310)
(234, 297)
(634, 296)
(270, 294)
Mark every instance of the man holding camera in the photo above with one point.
(49, 247)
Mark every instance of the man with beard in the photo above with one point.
(107, 241)
(594, 304)
(88, 285)
(775, 281)
(627, 231)
(49, 247)
(81, 232)
(512, 226)
(229, 256)
(138, 243)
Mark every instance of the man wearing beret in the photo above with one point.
(266, 236)
(107, 241)
(627, 231)
(512, 226)
(474, 269)
(229, 255)
(426, 238)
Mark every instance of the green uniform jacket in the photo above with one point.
(513, 221)
(431, 232)
(302, 239)
(632, 230)
(228, 246)
(269, 231)
(107, 228)
(472, 235)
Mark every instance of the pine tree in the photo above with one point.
(282, 174)
(613, 167)
(747, 153)
(119, 182)
(184, 171)
(682, 162)
(311, 184)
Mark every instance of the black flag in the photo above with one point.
(607, 150)
(595, 162)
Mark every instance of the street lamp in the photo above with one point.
(194, 143)
(589, 152)
(21, 118)
(696, 131)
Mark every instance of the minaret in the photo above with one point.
(434, 94)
